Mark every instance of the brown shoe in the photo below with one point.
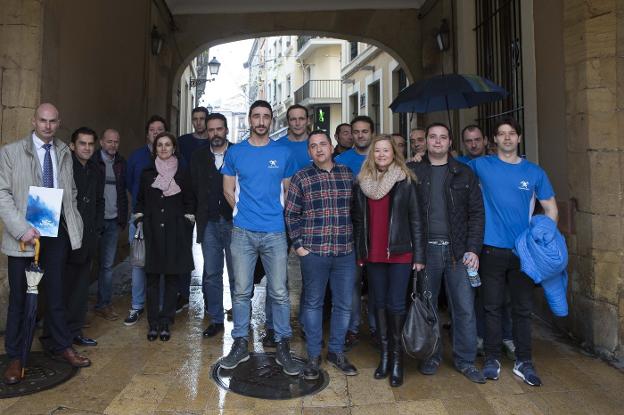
(72, 357)
(107, 313)
(13, 373)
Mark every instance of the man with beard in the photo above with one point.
(214, 219)
(363, 129)
(256, 174)
(344, 138)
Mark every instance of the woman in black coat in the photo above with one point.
(166, 206)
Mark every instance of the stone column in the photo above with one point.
(20, 75)
(594, 92)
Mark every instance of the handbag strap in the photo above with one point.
(139, 231)
(426, 291)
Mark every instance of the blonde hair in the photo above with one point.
(369, 168)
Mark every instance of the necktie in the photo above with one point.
(48, 175)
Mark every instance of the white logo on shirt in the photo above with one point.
(273, 164)
(524, 185)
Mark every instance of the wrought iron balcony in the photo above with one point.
(319, 91)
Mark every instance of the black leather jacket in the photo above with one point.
(464, 204)
(406, 231)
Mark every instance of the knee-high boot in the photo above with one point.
(382, 331)
(396, 346)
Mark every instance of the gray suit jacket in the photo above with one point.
(20, 169)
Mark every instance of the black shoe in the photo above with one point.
(472, 374)
(384, 356)
(213, 329)
(340, 362)
(152, 334)
(181, 304)
(165, 334)
(396, 349)
(228, 314)
(312, 369)
(269, 338)
(351, 339)
(429, 367)
(284, 359)
(133, 317)
(84, 341)
(238, 354)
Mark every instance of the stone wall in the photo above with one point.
(20, 74)
(594, 95)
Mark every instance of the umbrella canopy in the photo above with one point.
(33, 276)
(447, 92)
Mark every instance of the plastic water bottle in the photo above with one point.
(473, 276)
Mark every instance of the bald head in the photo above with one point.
(46, 121)
(110, 141)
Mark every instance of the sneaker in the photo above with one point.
(340, 362)
(429, 367)
(269, 338)
(526, 372)
(284, 359)
(312, 369)
(510, 349)
(181, 304)
(351, 339)
(107, 313)
(472, 374)
(228, 314)
(238, 354)
(480, 347)
(133, 317)
(491, 369)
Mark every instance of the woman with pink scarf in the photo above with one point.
(166, 206)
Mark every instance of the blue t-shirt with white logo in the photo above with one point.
(352, 159)
(299, 151)
(259, 171)
(509, 193)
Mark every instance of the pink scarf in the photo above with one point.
(164, 181)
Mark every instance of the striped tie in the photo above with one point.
(48, 175)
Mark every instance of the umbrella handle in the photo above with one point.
(37, 244)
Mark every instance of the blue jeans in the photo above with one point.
(108, 250)
(356, 307)
(316, 272)
(389, 283)
(461, 297)
(138, 278)
(271, 247)
(217, 238)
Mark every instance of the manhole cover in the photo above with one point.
(260, 377)
(42, 373)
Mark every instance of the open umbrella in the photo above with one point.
(33, 275)
(447, 92)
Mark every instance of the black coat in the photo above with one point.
(208, 188)
(90, 198)
(168, 234)
(406, 232)
(464, 204)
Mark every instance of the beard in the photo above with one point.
(217, 141)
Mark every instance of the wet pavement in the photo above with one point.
(130, 375)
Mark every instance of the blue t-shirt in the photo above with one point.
(188, 143)
(509, 193)
(259, 173)
(352, 159)
(299, 151)
(465, 159)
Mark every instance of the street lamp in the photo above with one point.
(213, 69)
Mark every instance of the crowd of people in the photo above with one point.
(355, 212)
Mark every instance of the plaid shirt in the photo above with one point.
(318, 210)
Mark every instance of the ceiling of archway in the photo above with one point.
(254, 6)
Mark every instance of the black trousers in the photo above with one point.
(499, 267)
(52, 260)
(165, 315)
(76, 295)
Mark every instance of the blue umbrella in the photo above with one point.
(447, 92)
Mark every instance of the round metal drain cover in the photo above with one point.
(260, 377)
(42, 373)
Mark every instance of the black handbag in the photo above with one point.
(421, 332)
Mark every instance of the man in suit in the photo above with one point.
(39, 159)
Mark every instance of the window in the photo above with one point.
(353, 50)
(288, 86)
(353, 106)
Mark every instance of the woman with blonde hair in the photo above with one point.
(389, 239)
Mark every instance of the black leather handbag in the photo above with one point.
(421, 332)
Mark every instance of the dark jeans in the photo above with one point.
(317, 271)
(216, 243)
(356, 308)
(505, 319)
(76, 295)
(389, 284)
(108, 250)
(441, 266)
(498, 268)
(167, 313)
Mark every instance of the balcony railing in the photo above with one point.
(319, 90)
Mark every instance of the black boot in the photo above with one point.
(396, 328)
(382, 331)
